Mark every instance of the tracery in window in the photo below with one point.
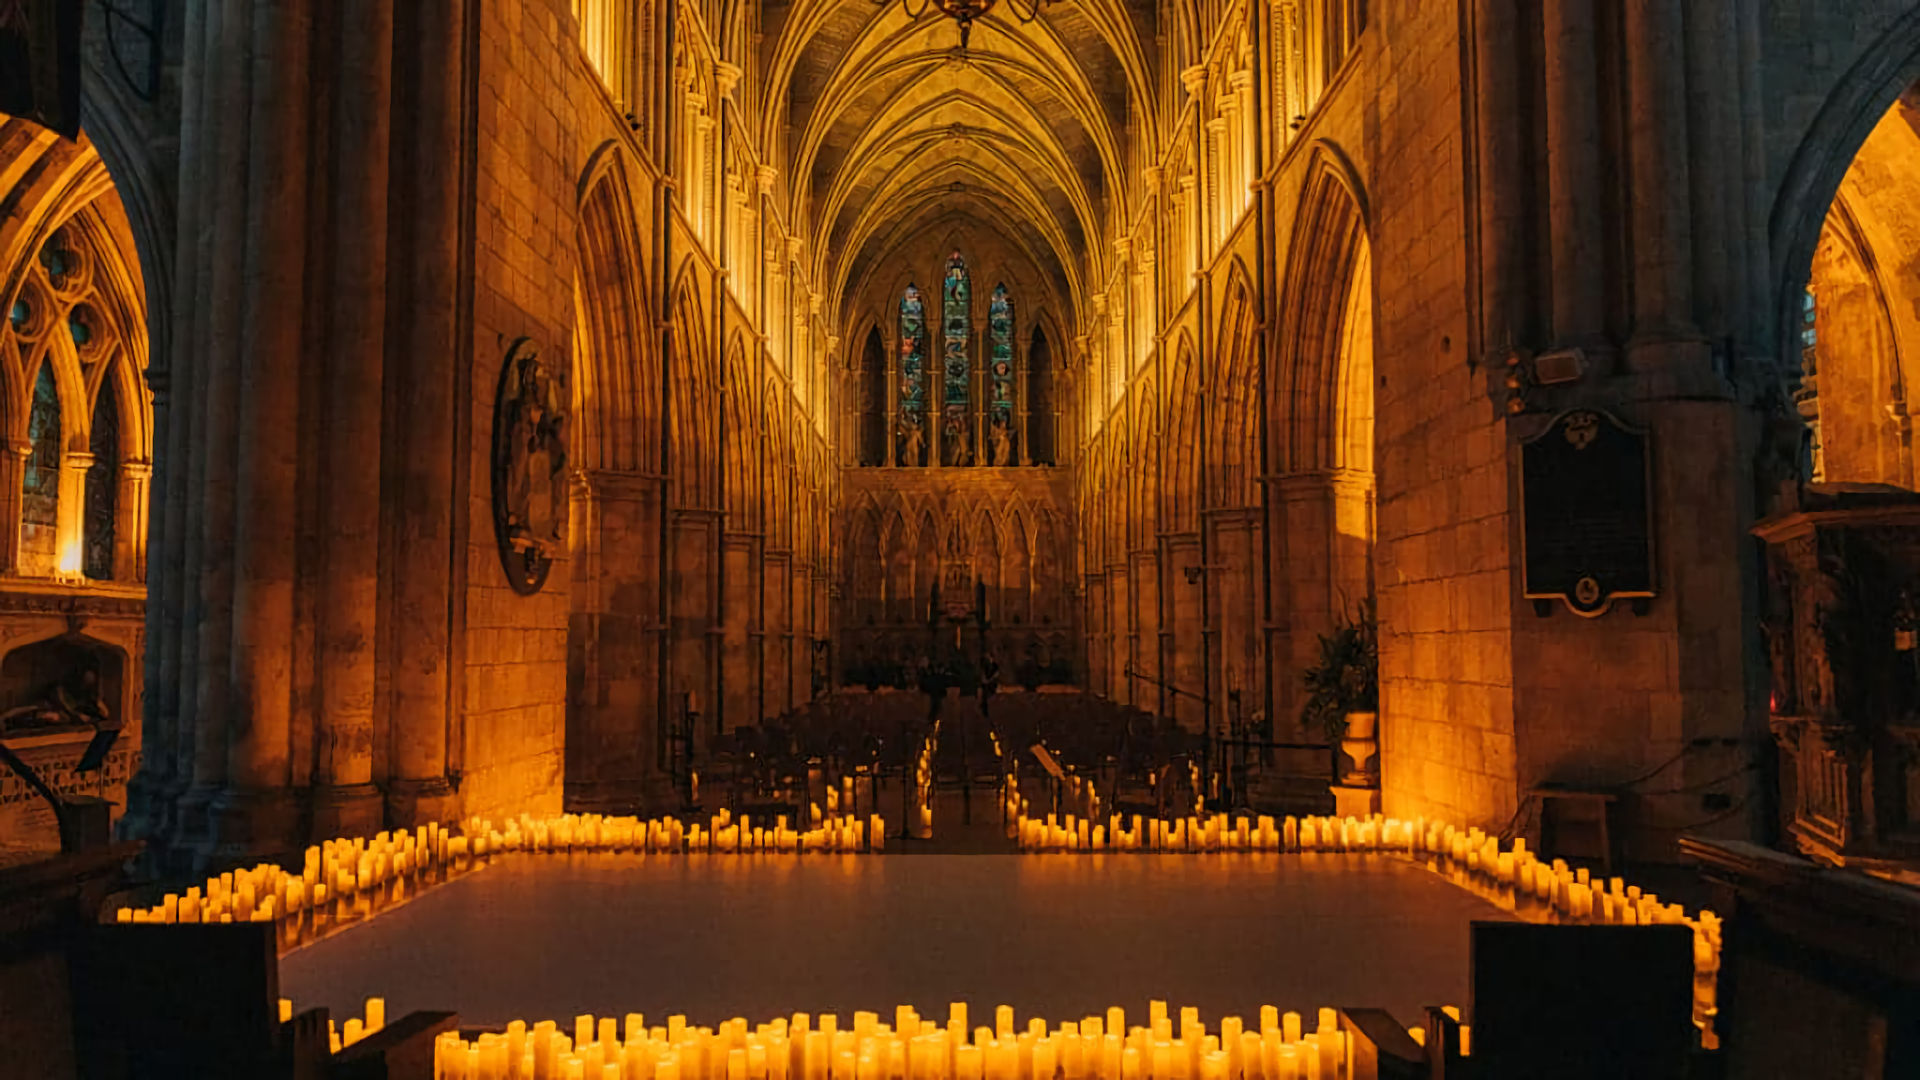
(911, 438)
(1001, 433)
(40, 482)
(956, 432)
(103, 486)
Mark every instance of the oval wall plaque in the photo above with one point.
(529, 466)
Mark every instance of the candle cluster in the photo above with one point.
(340, 1037)
(345, 880)
(337, 878)
(1514, 878)
(723, 833)
(910, 1048)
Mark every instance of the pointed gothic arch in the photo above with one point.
(1324, 255)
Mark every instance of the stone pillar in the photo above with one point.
(1144, 590)
(1249, 134)
(1220, 153)
(206, 659)
(775, 593)
(131, 508)
(151, 794)
(1506, 290)
(697, 634)
(1119, 634)
(800, 632)
(13, 470)
(255, 814)
(741, 637)
(423, 480)
(1326, 521)
(1184, 626)
(613, 644)
(346, 802)
(1575, 174)
(890, 362)
(1194, 79)
(70, 540)
(1657, 128)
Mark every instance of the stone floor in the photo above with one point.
(760, 936)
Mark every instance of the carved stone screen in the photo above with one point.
(1588, 530)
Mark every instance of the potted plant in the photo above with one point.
(1343, 691)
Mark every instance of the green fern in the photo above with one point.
(1347, 678)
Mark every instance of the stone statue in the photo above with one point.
(537, 460)
(529, 467)
(999, 444)
(913, 446)
(74, 698)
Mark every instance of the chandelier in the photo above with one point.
(965, 12)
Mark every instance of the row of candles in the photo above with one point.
(910, 1048)
(1513, 877)
(351, 877)
(340, 1036)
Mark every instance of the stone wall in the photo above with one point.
(528, 161)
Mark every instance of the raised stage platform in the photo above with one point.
(762, 936)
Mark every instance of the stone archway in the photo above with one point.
(1320, 439)
(617, 505)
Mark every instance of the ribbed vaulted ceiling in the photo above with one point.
(889, 127)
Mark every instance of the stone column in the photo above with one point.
(693, 590)
(1194, 80)
(1657, 127)
(1506, 292)
(613, 644)
(1221, 150)
(1575, 174)
(1184, 630)
(1120, 632)
(70, 532)
(775, 594)
(152, 792)
(131, 508)
(13, 471)
(1249, 115)
(424, 566)
(256, 814)
(206, 660)
(1144, 590)
(890, 363)
(345, 800)
(1325, 518)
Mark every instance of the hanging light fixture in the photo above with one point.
(966, 12)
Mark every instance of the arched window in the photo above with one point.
(1039, 400)
(911, 448)
(1001, 434)
(1807, 398)
(956, 434)
(40, 482)
(103, 486)
(873, 400)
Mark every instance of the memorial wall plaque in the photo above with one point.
(1587, 512)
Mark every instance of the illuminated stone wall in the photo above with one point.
(1287, 258)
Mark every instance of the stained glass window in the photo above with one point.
(40, 486)
(956, 327)
(103, 486)
(57, 260)
(1000, 429)
(913, 378)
